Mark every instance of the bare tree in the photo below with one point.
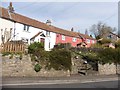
(101, 30)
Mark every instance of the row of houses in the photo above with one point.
(15, 27)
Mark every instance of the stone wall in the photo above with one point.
(24, 67)
(107, 69)
(118, 68)
(0, 72)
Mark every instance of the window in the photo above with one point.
(24, 39)
(26, 28)
(63, 37)
(47, 33)
(74, 39)
(88, 41)
(49, 44)
(109, 37)
(42, 40)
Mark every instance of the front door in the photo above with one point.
(42, 40)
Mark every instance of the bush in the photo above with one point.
(90, 56)
(34, 47)
(109, 55)
(33, 58)
(96, 45)
(106, 55)
(62, 45)
(21, 56)
(5, 53)
(60, 59)
(117, 44)
(11, 56)
(104, 41)
(37, 49)
(37, 67)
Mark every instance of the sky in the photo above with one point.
(79, 15)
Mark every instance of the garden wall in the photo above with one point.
(0, 72)
(118, 68)
(24, 67)
(107, 69)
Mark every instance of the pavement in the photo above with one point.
(12, 81)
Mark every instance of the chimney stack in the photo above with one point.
(72, 29)
(48, 22)
(86, 32)
(11, 8)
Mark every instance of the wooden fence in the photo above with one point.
(14, 47)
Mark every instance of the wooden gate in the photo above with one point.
(14, 47)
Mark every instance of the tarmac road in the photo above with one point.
(103, 81)
(105, 84)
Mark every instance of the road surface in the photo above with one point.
(105, 81)
(105, 84)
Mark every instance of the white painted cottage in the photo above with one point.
(24, 28)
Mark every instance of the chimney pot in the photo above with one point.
(48, 22)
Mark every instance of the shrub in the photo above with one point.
(60, 59)
(20, 57)
(33, 58)
(37, 50)
(11, 56)
(37, 67)
(109, 55)
(90, 56)
(117, 44)
(34, 47)
(96, 45)
(104, 41)
(5, 53)
(62, 45)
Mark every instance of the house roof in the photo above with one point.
(115, 34)
(36, 35)
(37, 24)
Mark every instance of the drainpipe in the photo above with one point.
(14, 30)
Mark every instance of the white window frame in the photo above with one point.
(25, 39)
(88, 40)
(74, 39)
(26, 28)
(63, 37)
(47, 33)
